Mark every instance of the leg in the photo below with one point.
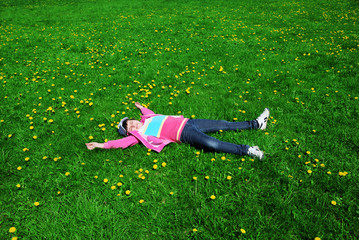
(192, 135)
(205, 125)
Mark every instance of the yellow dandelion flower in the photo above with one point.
(229, 177)
(14, 238)
(155, 166)
(67, 173)
(171, 193)
(95, 177)
(34, 137)
(334, 203)
(12, 230)
(113, 187)
(128, 192)
(105, 180)
(164, 164)
(119, 184)
(243, 231)
(213, 197)
(90, 137)
(194, 230)
(141, 201)
(18, 185)
(36, 204)
(206, 177)
(195, 178)
(309, 171)
(223, 158)
(19, 168)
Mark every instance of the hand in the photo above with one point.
(93, 145)
(138, 105)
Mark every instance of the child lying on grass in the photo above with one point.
(156, 131)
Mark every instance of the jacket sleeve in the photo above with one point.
(121, 143)
(146, 111)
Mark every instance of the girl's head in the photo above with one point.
(128, 125)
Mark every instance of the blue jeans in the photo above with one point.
(194, 134)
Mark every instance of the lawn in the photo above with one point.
(71, 70)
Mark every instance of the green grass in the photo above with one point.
(69, 69)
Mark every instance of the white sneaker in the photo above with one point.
(255, 152)
(262, 119)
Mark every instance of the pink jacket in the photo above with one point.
(134, 137)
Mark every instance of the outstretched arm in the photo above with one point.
(119, 143)
(93, 145)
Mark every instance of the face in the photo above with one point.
(133, 125)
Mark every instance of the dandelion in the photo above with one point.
(243, 231)
(67, 173)
(334, 203)
(105, 180)
(12, 230)
(223, 158)
(163, 164)
(213, 197)
(18, 185)
(195, 178)
(36, 204)
(194, 230)
(171, 193)
(309, 171)
(19, 168)
(229, 178)
(95, 177)
(141, 201)
(154, 166)
(128, 192)
(206, 177)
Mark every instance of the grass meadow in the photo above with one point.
(70, 70)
